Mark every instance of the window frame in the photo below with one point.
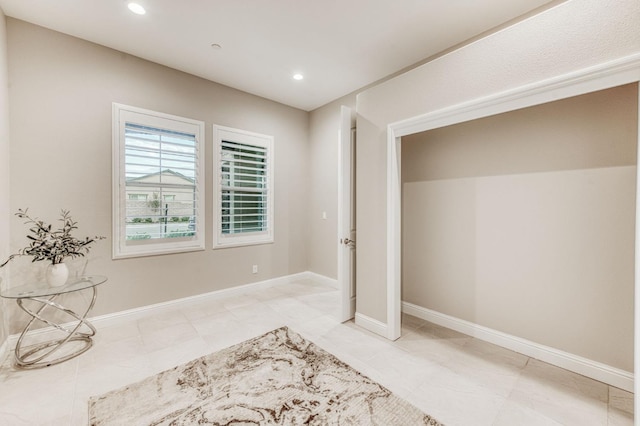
(230, 134)
(123, 248)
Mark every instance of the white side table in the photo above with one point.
(49, 353)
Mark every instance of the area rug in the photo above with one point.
(278, 378)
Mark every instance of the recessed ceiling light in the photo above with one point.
(216, 46)
(136, 8)
(298, 76)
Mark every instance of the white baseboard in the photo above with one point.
(593, 369)
(132, 314)
(371, 324)
(143, 311)
(322, 279)
(598, 371)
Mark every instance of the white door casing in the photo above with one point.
(610, 74)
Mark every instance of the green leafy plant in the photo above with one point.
(154, 203)
(50, 244)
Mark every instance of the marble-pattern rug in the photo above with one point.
(278, 378)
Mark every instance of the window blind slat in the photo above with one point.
(246, 164)
(242, 146)
(243, 189)
(164, 185)
(186, 146)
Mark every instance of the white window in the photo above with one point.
(158, 197)
(243, 206)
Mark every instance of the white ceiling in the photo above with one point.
(339, 45)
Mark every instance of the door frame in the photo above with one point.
(610, 74)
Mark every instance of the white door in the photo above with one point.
(346, 216)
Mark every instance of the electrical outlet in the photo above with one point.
(324, 215)
(255, 269)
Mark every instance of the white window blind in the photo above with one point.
(160, 164)
(158, 201)
(245, 193)
(244, 188)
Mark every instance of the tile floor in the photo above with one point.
(458, 379)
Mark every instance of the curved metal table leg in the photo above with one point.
(40, 355)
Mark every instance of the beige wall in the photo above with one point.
(4, 170)
(583, 132)
(322, 234)
(526, 220)
(569, 37)
(62, 89)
